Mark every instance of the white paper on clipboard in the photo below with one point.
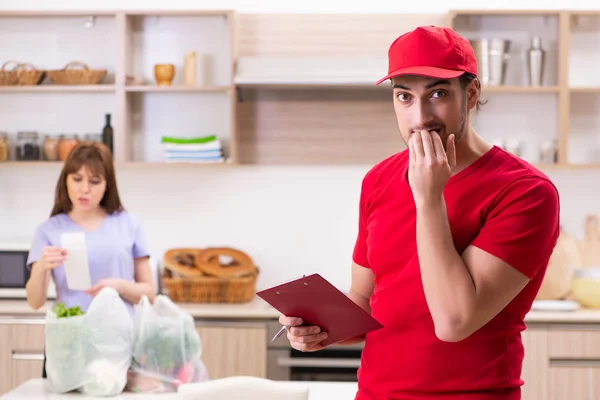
(76, 265)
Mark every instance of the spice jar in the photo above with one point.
(51, 148)
(65, 145)
(28, 148)
(3, 146)
(93, 137)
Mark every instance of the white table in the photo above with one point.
(37, 389)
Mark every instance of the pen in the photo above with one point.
(279, 333)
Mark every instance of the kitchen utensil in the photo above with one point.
(555, 305)
(586, 286)
(492, 57)
(590, 245)
(557, 281)
(535, 62)
(189, 68)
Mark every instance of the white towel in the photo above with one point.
(214, 145)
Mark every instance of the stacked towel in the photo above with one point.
(206, 149)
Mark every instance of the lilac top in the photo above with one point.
(111, 248)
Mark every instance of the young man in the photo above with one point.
(454, 238)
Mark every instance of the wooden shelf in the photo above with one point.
(178, 88)
(128, 164)
(40, 163)
(314, 85)
(316, 95)
(58, 88)
(229, 163)
(520, 89)
(583, 89)
(371, 86)
(152, 164)
(511, 13)
(180, 13)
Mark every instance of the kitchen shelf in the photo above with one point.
(519, 26)
(208, 108)
(520, 89)
(584, 89)
(161, 165)
(312, 102)
(127, 44)
(178, 88)
(58, 88)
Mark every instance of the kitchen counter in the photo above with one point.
(258, 309)
(37, 389)
(255, 309)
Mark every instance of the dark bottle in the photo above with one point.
(107, 134)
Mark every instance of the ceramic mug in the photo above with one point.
(164, 74)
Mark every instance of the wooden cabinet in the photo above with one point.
(562, 362)
(21, 353)
(535, 370)
(234, 349)
(574, 362)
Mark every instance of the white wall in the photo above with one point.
(306, 6)
(292, 220)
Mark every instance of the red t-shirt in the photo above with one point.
(500, 204)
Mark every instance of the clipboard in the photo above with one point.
(319, 303)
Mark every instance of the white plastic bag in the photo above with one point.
(90, 353)
(167, 348)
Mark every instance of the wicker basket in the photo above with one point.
(77, 73)
(8, 75)
(28, 75)
(197, 287)
(210, 289)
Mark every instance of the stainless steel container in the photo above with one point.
(492, 58)
(535, 62)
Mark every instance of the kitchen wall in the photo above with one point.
(291, 220)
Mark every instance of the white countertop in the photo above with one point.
(258, 309)
(254, 309)
(37, 389)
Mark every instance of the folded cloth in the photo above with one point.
(214, 145)
(193, 154)
(195, 160)
(193, 140)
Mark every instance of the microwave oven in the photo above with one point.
(14, 273)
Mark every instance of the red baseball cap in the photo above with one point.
(431, 51)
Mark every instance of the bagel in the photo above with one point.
(183, 261)
(211, 262)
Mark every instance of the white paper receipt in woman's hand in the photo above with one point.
(319, 303)
(76, 263)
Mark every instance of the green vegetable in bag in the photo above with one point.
(62, 312)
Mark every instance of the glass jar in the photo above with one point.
(93, 137)
(65, 145)
(28, 148)
(3, 146)
(51, 148)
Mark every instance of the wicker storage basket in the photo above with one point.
(197, 287)
(8, 74)
(28, 75)
(77, 73)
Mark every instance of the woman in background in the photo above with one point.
(87, 200)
